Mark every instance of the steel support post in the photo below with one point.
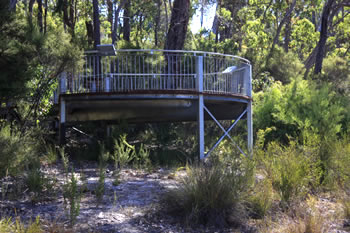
(200, 117)
(62, 126)
(250, 111)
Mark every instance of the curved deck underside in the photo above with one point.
(150, 106)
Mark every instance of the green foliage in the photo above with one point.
(337, 73)
(100, 189)
(261, 198)
(296, 110)
(338, 164)
(51, 154)
(71, 190)
(74, 197)
(210, 193)
(284, 67)
(17, 151)
(36, 181)
(293, 170)
(7, 226)
(124, 153)
(304, 38)
(142, 159)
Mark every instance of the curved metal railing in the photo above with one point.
(133, 70)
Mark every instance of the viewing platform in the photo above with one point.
(141, 86)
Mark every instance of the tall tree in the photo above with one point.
(157, 22)
(180, 16)
(116, 20)
(321, 46)
(96, 20)
(110, 15)
(40, 15)
(126, 21)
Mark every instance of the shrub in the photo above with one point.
(142, 159)
(212, 193)
(338, 164)
(293, 170)
(16, 152)
(70, 190)
(7, 226)
(100, 189)
(261, 198)
(124, 153)
(309, 219)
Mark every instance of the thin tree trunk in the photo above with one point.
(126, 20)
(45, 17)
(287, 35)
(40, 15)
(157, 19)
(110, 15)
(72, 16)
(323, 36)
(166, 16)
(96, 15)
(30, 8)
(13, 4)
(279, 28)
(202, 12)
(116, 21)
(90, 32)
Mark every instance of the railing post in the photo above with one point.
(200, 116)
(249, 110)
(107, 84)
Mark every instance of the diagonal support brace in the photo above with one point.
(225, 132)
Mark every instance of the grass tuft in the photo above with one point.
(212, 194)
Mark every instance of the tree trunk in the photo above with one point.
(180, 15)
(96, 15)
(126, 20)
(287, 34)
(13, 4)
(157, 19)
(110, 15)
(72, 16)
(166, 16)
(279, 28)
(30, 8)
(40, 15)
(90, 32)
(116, 21)
(321, 49)
(45, 17)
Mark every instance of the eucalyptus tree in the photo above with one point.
(180, 16)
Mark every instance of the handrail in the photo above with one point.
(148, 69)
(172, 51)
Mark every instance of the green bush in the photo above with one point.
(213, 193)
(293, 170)
(100, 189)
(17, 151)
(124, 153)
(338, 163)
(7, 226)
(71, 190)
(298, 108)
(261, 198)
